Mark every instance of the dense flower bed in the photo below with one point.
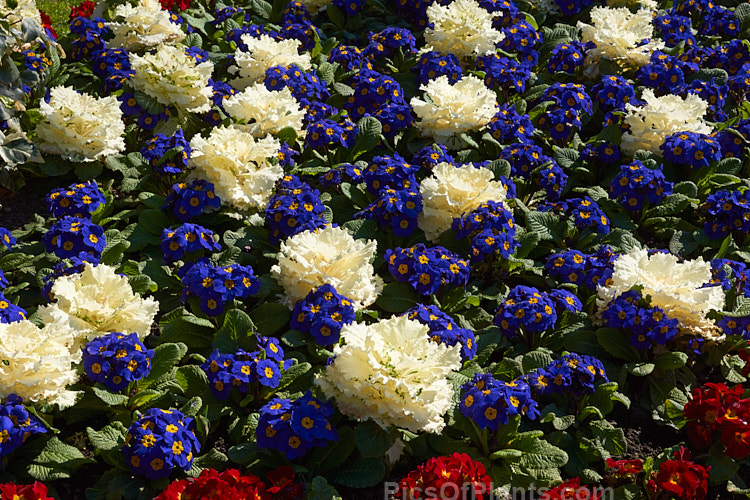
(348, 249)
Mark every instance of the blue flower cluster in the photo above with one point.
(71, 235)
(160, 441)
(602, 151)
(508, 125)
(637, 183)
(569, 102)
(526, 308)
(116, 359)
(16, 425)
(489, 402)
(89, 36)
(77, 200)
(524, 158)
(444, 330)
(168, 155)
(322, 313)
(397, 209)
(145, 119)
(77, 264)
(727, 211)
(691, 149)
(585, 213)
(9, 312)
(427, 270)
(112, 66)
(216, 285)
(553, 180)
(188, 200)
(187, 239)
(295, 208)
(573, 374)
(305, 86)
(325, 132)
(382, 97)
(490, 228)
(648, 326)
(389, 41)
(504, 73)
(390, 172)
(241, 369)
(590, 270)
(294, 427)
(566, 57)
(434, 64)
(430, 156)
(675, 29)
(730, 274)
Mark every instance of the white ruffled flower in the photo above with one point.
(266, 111)
(660, 117)
(237, 165)
(461, 28)
(452, 192)
(37, 363)
(173, 78)
(98, 301)
(143, 26)
(262, 53)
(80, 127)
(24, 9)
(391, 373)
(462, 107)
(672, 285)
(329, 255)
(618, 34)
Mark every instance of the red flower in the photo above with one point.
(699, 435)
(573, 490)
(283, 485)
(684, 479)
(213, 485)
(12, 491)
(745, 356)
(168, 4)
(625, 467)
(453, 476)
(47, 24)
(83, 10)
(736, 437)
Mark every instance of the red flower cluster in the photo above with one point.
(451, 477)
(684, 479)
(168, 4)
(573, 490)
(231, 485)
(13, 491)
(715, 408)
(83, 10)
(625, 467)
(745, 356)
(47, 24)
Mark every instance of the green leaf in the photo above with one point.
(243, 453)
(270, 317)
(566, 157)
(368, 136)
(181, 326)
(372, 440)
(111, 437)
(334, 454)
(670, 360)
(237, 331)
(109, 398)
(397, 297)
(214, 459)
(290, 375)
(538, 453)
(640, 369)
(616, 343)
(361, 473)
(742, 13)
(153, 220)
(319, 489)
(548, 226)
(192, 380)
(57, 461)
(611, 438)
(165, 357)
(535, 360)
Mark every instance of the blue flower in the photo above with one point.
(444, 330)
(168, 155)
(77, 200)
(16, 425)
(296, 207)
(71, 235)
(322, 313)
(160, 441)
(489, 402)
(294, 427)
(428, 270)
(526, 308)
(116, 359)
(187, 239)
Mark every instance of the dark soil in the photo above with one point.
(645, 437)
(19, 208)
